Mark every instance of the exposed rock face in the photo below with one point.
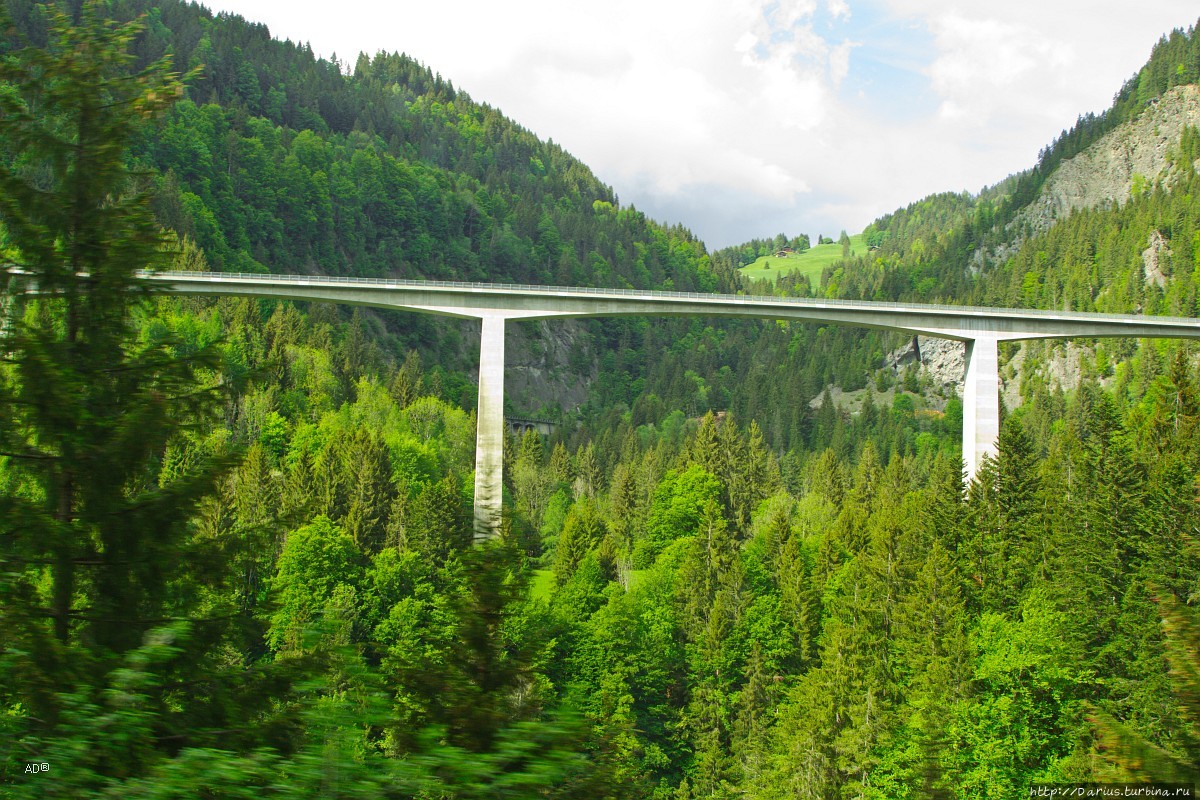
(942, 365)
(1106, 172)
(1136, 152)
(942, 361)
(1151, 257)
(1063, 365)
(538, 371)
(901, 357)
(537, 364)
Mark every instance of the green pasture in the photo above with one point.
(542, 586)
(809, 263)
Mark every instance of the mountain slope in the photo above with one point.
(1135, 155)
(809, 607)
(281, 161)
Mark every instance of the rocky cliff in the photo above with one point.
(1131, 158)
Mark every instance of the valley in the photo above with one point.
(240, 551)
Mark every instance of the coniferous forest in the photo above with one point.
(235, 535)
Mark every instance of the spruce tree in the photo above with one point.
(530, 480)
(87, 410)
(405, 386)
(582, 532)
(370, 490)
(100, 484)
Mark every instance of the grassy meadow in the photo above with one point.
(809, 263)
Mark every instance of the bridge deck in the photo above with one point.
(981, 328)
(472, 299)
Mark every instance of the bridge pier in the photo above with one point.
(983, 328)
(489, 430)
(981, 402)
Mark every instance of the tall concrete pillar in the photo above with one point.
(981, 403)
(489, 432)
(10, 308)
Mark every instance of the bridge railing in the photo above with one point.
(810, 302)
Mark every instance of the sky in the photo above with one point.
(743, 119)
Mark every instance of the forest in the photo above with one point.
(235, 546)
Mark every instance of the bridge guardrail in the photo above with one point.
(811, 302)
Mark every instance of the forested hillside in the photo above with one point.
(235, 554)
(279, 161)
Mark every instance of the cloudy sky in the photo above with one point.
(747, 118)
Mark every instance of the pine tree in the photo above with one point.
(436, 524)
(253, 534)
(406, 383)
(581, 534)
(867, 475)
(711, 601)
(1007, 537)
(587, 471)
(704, 448)
(531, 482)
(561, 470)
(622, 502)
(799, 597)
(329, 485)
(97, 534)
(87, 411)
(1129, 748)
(369, 489)
(931, 649)
(827, 477)
(752, 721)
(732, 463)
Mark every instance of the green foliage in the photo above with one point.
(677, 510)
(796, 603)
(95, 515)
(316, 560)
(582, 532)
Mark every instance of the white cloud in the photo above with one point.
(697, 96)
(756, 116)
(839, 62)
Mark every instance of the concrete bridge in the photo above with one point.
(982, 329)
